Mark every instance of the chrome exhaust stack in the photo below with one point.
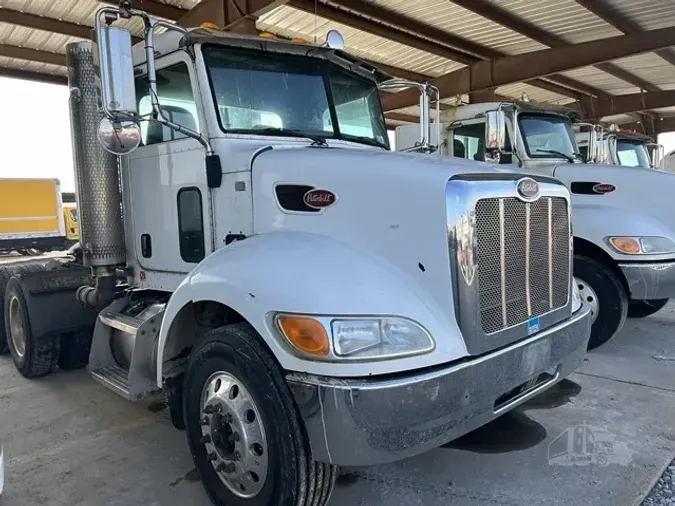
(99, 197)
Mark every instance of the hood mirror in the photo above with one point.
(334, 40)
(119, 137)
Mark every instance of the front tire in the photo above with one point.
(33, 356)
(642, 308)
(601, 288)
(243, 427)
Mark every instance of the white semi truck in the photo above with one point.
(614, 146)
(305, 297)
(624, 237)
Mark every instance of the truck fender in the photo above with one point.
(594, 222)
(306, 273)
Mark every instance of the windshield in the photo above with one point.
(632, 153)
(276, 94)
(547, 136)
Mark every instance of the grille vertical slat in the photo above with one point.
(523, 259)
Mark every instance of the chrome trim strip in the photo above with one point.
(528, 394)
(528, 298)
(550, 253)
(502, 260)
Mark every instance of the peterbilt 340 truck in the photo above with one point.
(305, 297)
(614, 146)
(624, 237)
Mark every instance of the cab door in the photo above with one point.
(167, 178)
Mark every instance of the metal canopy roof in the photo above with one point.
(441, 40)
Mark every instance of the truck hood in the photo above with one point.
(389, 207)
(641, 203)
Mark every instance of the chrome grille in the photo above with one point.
(523, 253)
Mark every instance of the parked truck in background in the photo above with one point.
(305, 297)
(614, 146)
(624, 236)
(33, 219)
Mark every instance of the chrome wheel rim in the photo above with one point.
(233, 435)
(589, 296)
(16, 329)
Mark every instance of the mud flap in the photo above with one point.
(52, 306)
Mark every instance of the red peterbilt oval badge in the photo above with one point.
(318, 198)
(604, 188)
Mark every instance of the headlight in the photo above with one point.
(354, 338)
(576, 296)
(642, 245)
(378, 338)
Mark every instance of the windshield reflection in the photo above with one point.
(547, 136)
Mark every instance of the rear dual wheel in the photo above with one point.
(244, 430)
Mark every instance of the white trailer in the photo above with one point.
(305, 298)
(624, 237)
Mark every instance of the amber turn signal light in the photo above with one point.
(304, 333)
(628, 245)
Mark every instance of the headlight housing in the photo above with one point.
(359, 338)
(642, 245)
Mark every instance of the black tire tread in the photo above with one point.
(616, 286)
(42, 354)
(316, 486)
(5, 274)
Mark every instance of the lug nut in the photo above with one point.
(229, 468)
(237, 455)
(218, 408)
(209, 410)
(205, 439)
(204, 421)
(220, 467)
(211, 457)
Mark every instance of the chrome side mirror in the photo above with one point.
(495, 131)
(334, 40)
(115, 61)
(119, 137)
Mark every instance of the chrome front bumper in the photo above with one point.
(647, 281)
(373, 421)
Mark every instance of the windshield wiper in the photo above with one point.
(363, 139)
(317, 140)
(559, 153)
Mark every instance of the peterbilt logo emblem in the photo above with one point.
(318, 198)
(604, 188)
(528, 188)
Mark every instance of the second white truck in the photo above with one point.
(624, 235)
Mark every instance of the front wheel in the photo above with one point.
(244, 431)
(642, 308)
(603, 291)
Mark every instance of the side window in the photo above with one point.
(190, 225)
(469, 142)
(174, 93)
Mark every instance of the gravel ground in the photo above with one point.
(663, 493)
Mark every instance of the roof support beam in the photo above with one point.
(625, 104)
(393, 26)
(33, 76)
(663, 125)
(235, 15)
(154, 8)
(605, 12)
(28, 54)
(512, 69)
(499, 15)
(45, 24)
